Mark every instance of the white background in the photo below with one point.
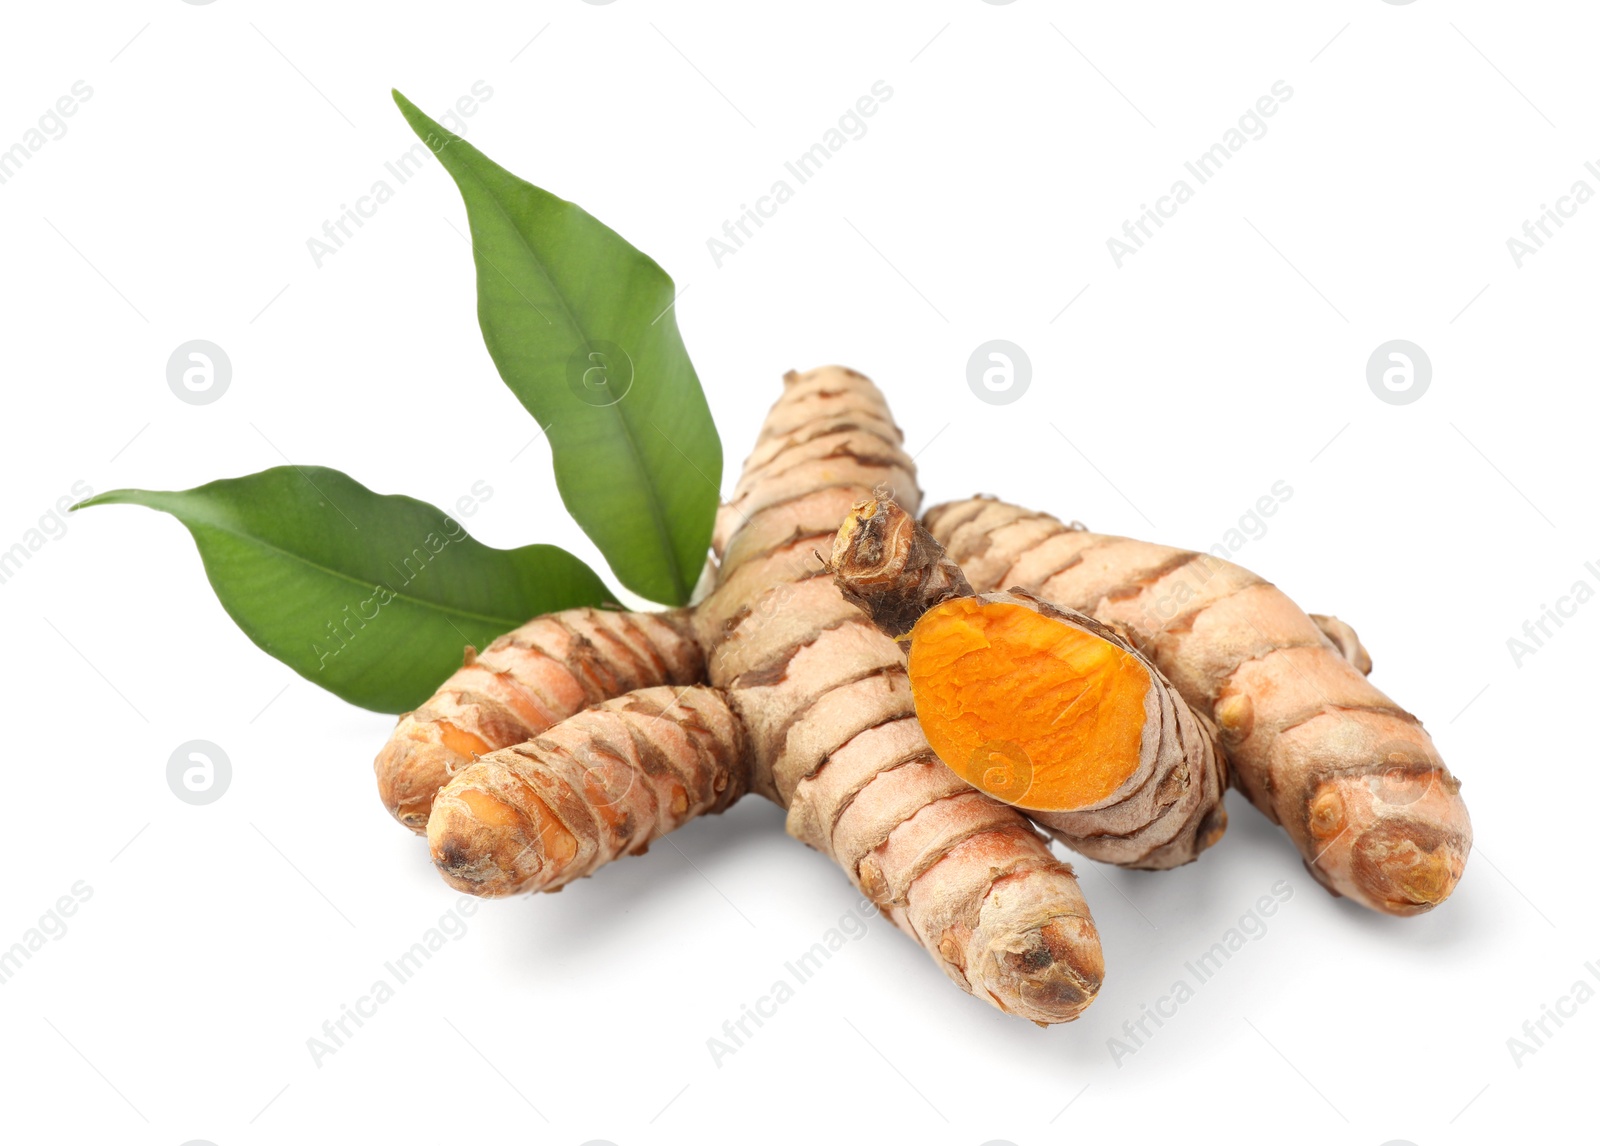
(1173, 392)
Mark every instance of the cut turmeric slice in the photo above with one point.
(1040, 707)
(1012, 697)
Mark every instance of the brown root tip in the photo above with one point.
(890, 567)
(1406, 868)
(1053, 975)
(1075, 972)
(415, 816)
(872, 543)
(463, 866)
(484, 846)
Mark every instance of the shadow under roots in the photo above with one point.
(1254, 854)
(690, 869)
(1466, 914)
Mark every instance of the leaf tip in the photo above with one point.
(435, 137)
(110, 497)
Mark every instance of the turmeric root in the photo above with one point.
(597, 786)
(1351, 776)
(834, 734)
(810, 706)
(1044, 708)
(526, 681)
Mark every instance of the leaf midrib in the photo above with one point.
(657, 510)
(506, 623)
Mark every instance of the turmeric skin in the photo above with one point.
(1352, 777)
(522, 684)
(623, 773)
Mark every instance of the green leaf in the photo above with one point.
(581, 327)
(371, 596)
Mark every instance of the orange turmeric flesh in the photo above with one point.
(1026, 707)
(460, 741)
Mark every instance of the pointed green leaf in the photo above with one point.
(371, 596)
(580, 325)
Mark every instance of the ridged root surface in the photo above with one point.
(526, 681)
(1352, 777)
(833, 735)
(598, 786)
